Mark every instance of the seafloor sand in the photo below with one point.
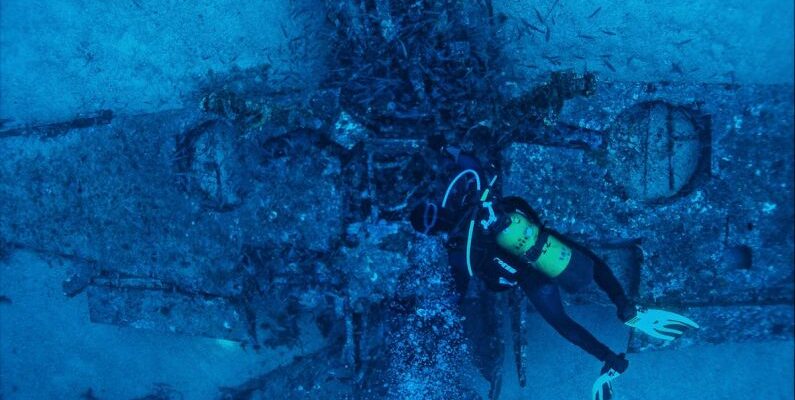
(703, 372)
(64, 57)
(51, 350)
(682, 41)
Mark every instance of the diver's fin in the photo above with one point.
(603, 388)
(661, 324)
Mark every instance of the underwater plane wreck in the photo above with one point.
(272, 211)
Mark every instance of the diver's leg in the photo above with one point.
(578, 273)
(545, 296)
(606, 280)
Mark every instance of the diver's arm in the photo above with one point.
(465, 160)
(546, 299)
(458, 267)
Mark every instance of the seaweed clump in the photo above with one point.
(438, 69)
(409, 69)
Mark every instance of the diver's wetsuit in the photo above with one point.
(501, 271)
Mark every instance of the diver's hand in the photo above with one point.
(453, 151)
(437, 142)
(616, 362)
(660, 324)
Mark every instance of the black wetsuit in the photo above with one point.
(501, 271)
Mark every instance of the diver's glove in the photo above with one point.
(453, 152)
(437, 142)
(603, 387)
(660, 324)
(616, 362)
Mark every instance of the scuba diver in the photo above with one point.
(503, 242)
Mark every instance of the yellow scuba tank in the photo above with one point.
(521, 236)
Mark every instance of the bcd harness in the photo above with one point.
(520, 237)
